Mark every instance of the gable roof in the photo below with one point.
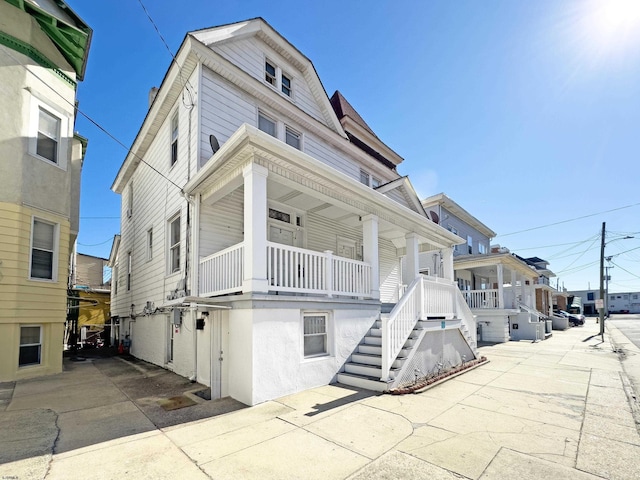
(360, 134)
(443, 200)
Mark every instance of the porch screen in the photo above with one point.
(315, 335)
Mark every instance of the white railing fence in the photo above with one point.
(292, 269)
(222, 272)
(481, 298)
(425, 296)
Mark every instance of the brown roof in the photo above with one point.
(344, 109)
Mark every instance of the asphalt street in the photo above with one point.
(629, 325)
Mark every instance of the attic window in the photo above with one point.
(286, 85)
(270, 73)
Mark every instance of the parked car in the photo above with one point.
(575, 319)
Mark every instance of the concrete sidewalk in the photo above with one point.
(558, 409)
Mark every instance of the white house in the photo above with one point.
(263, 228)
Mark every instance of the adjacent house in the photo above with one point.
(263, 231)
(43, 54)
(620, 302)
(499, 287)
(90, 311)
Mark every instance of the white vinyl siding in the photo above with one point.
(465, 231)
(150, 244)
(174, 137)
(221, 225)
(43, 258)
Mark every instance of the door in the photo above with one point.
(346, 248)
(219, 345)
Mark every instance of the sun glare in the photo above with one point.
(614, 23)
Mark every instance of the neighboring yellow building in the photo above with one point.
(43, 53)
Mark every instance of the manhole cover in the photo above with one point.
(174, 403)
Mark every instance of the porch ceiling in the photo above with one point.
(302, 182)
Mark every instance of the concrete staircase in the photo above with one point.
(365, 368)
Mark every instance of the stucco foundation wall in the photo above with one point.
(279, 366)
(240, 356)
(495, 327)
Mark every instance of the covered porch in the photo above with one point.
(270, 219)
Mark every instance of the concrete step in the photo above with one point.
(368, 383)
(367, 370)
(375, 360)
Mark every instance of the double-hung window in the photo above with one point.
(174, 138)
(286, 85)
(469, 244)
(270, 73)
(174, 245)
(279, 80)
(266, 124)
(315, 335)
(30, 345)
(149, 244)
(292, 137)
(129, 269)
(43, 247)
(48, 135)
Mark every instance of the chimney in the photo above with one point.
(152, 95)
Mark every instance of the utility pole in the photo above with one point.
(602, 281)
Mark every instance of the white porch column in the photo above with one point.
(500, 274)
(370, 251)
(447, 264)
(413, 267)
(514, 280)
(255, 229)
(523, 293)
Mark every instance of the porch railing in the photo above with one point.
(481, 298)
(222, 272)
(425, 296)
(292, 269)
(289, 269)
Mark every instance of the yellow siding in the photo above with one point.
(26, 301)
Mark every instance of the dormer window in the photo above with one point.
(270, 73)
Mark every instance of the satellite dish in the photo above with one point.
(213, 141)
(434, 217)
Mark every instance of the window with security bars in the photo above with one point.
(30, 345)
(315, 335)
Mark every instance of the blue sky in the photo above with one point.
(525, 113)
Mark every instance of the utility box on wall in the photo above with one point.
(177, 316)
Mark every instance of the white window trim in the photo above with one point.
(149, 244)
(299, 231)
(20, 345)
(295, 132)
(170, 246)
(129, 211)
(268, 116)
(278, 79)
(34, 125)
(56, 243)
(328, 332)
(174, 116)
(129, 270)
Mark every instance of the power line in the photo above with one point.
(110, 239)
(569, 220)
(100, 127)
(622, 268)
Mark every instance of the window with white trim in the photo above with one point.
(315, 336)
(43, 250)
(286, 85)
(174, 138)
(30, 345)
(369, 180)
(482, 248)
(455, 232)
(375, 182)
(149, 244)
(130, 200)
(174, 244)
(47, 145)
(364, 177)
(274, 76)
(292, 137)
(470, 244)
(267, 125)
(114, 279)
(129, 269)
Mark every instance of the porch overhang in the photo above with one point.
(295, 169)
(491, 260)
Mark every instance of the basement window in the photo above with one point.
(30, 345)
(315, 335)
